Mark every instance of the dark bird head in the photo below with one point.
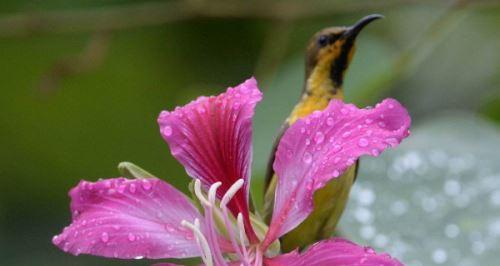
(330, 51)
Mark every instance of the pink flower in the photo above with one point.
(211, 137)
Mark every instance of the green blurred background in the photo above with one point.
(83, 81)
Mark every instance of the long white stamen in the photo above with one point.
(223, 206)
(241, 229)
(231, 192)
(200, 238)
(211, 227)
(212, 192)
(199, 194)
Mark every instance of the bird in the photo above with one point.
(328, 56)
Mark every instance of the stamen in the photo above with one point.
(223, 206)
(202, 241)
(211, 227)
(232, 191)
(199, 194)
(212, 192)
(241, 229)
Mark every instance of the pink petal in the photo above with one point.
(212, 138)
(334, 252)
(321, 147)
(125, 218)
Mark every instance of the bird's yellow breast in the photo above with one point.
(319, 87)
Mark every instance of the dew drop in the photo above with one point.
(131, 237)
(336, 160)
(375, 152)
(169, 228)
(308, 141)
(132, 188)
(167, 131)
(346, 134)
(302, 130)
(56, 240)
(368, 121)
(336, 173)
(329, 121)
(362, 142)
(337, 148)
(307, 158)
(319, 138)
(146, 185)
(344, 111)
(138, 257)
(381, 124)
(104, 237)
(369, 250)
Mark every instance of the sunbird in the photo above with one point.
(328, 56)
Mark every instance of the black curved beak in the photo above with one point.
(352, 32)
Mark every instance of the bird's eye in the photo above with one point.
(323, 40)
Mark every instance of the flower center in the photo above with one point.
(207, 236)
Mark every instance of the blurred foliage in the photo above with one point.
(79, 94)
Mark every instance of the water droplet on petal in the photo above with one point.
(307, 158)
(336, 173)
(146, 185)
(132, 188)
(363, 142)
(56, 240)
(337, 148)
(346, 134)
(368, 121)
(138, 257)
(169, 228)
(375, 152)
(329, 121)
(319, 137)
(392, 141)
(167, 131)
(369, 250)
(104, 237)
(308, 141)
(381, 124)
(131, 237)
(302, 130)
(344, 111)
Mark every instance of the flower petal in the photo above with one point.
(321, 147)
(126, 218)
(212, 137)
(334, 252)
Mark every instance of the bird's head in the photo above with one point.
(330, 50)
